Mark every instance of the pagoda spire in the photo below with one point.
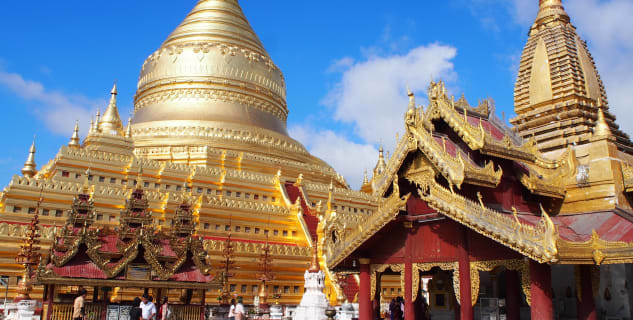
(128, 129)
(30, 168)
(551, 10)
(111, 122)
(74, 139)
(381, 165)
(602, 127)
(95, 128)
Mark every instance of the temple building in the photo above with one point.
(478, 220)
(202, 195)
(209, 122)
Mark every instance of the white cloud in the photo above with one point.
(611, 43)
(347, 157)
(340, 64)
(371, 95)
(57, 110)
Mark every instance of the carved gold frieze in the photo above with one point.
(595, 251)
(380, 268)
(521, 266)
(355, 235)
(537, 242)
(427, 266)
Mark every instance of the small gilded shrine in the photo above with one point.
(134, 254)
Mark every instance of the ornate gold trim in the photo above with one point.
(520, 266)
(595, 251)
(537, 242)
(427, 266)
(380, 268)
(354, 236)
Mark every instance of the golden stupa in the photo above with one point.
(209, 124)
(558, 91)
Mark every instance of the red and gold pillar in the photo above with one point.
(364, 290)
(541, 291)
(465, 305)
(586, 306)
(409, 309)
(513, 294)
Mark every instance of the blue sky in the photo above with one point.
(346, 63)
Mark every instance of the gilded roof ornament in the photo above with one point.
(128, 129)
(111, 122)
(30, 168)
(602, 127)
(74, 139)
(314, 265)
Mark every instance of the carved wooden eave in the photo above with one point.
(549, 185)
(381, 183)
(482, 110)
(537, 242)
(476, 137)
(595, 251)
(485, 176)
(354, 236)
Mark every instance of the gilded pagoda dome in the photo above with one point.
(211, 80)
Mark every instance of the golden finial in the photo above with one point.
(411, 98)
(551, 8)
(139, 176)
(314, 265)
(30, 168)
(111, 122)
(602, 127)
(365, 180)
(95, 128)
(299, 180)
(381, 165)
(128, 130)
(74, 139)
(86, 186)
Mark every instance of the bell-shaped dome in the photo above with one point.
(211, 72)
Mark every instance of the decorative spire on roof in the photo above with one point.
(97, 127)
(30, 168)
(602, 127)
(381, 166)
(411, 99)
(128, 129)
(314, 265)
(551, 10)
(111, 122)
(29, 254)
(74, 139)
(365, 179)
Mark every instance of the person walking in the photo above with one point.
(232, 310)
(148, 308)
(79, 313)
(136, 313)
(164, 313)
(240, 313)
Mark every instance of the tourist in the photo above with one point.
(392, 307)
(148, 308)
(136, 313)
(164, 313)
(232, 310)
(240, 314)
(78, 307)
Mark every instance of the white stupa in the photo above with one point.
(314, 302)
